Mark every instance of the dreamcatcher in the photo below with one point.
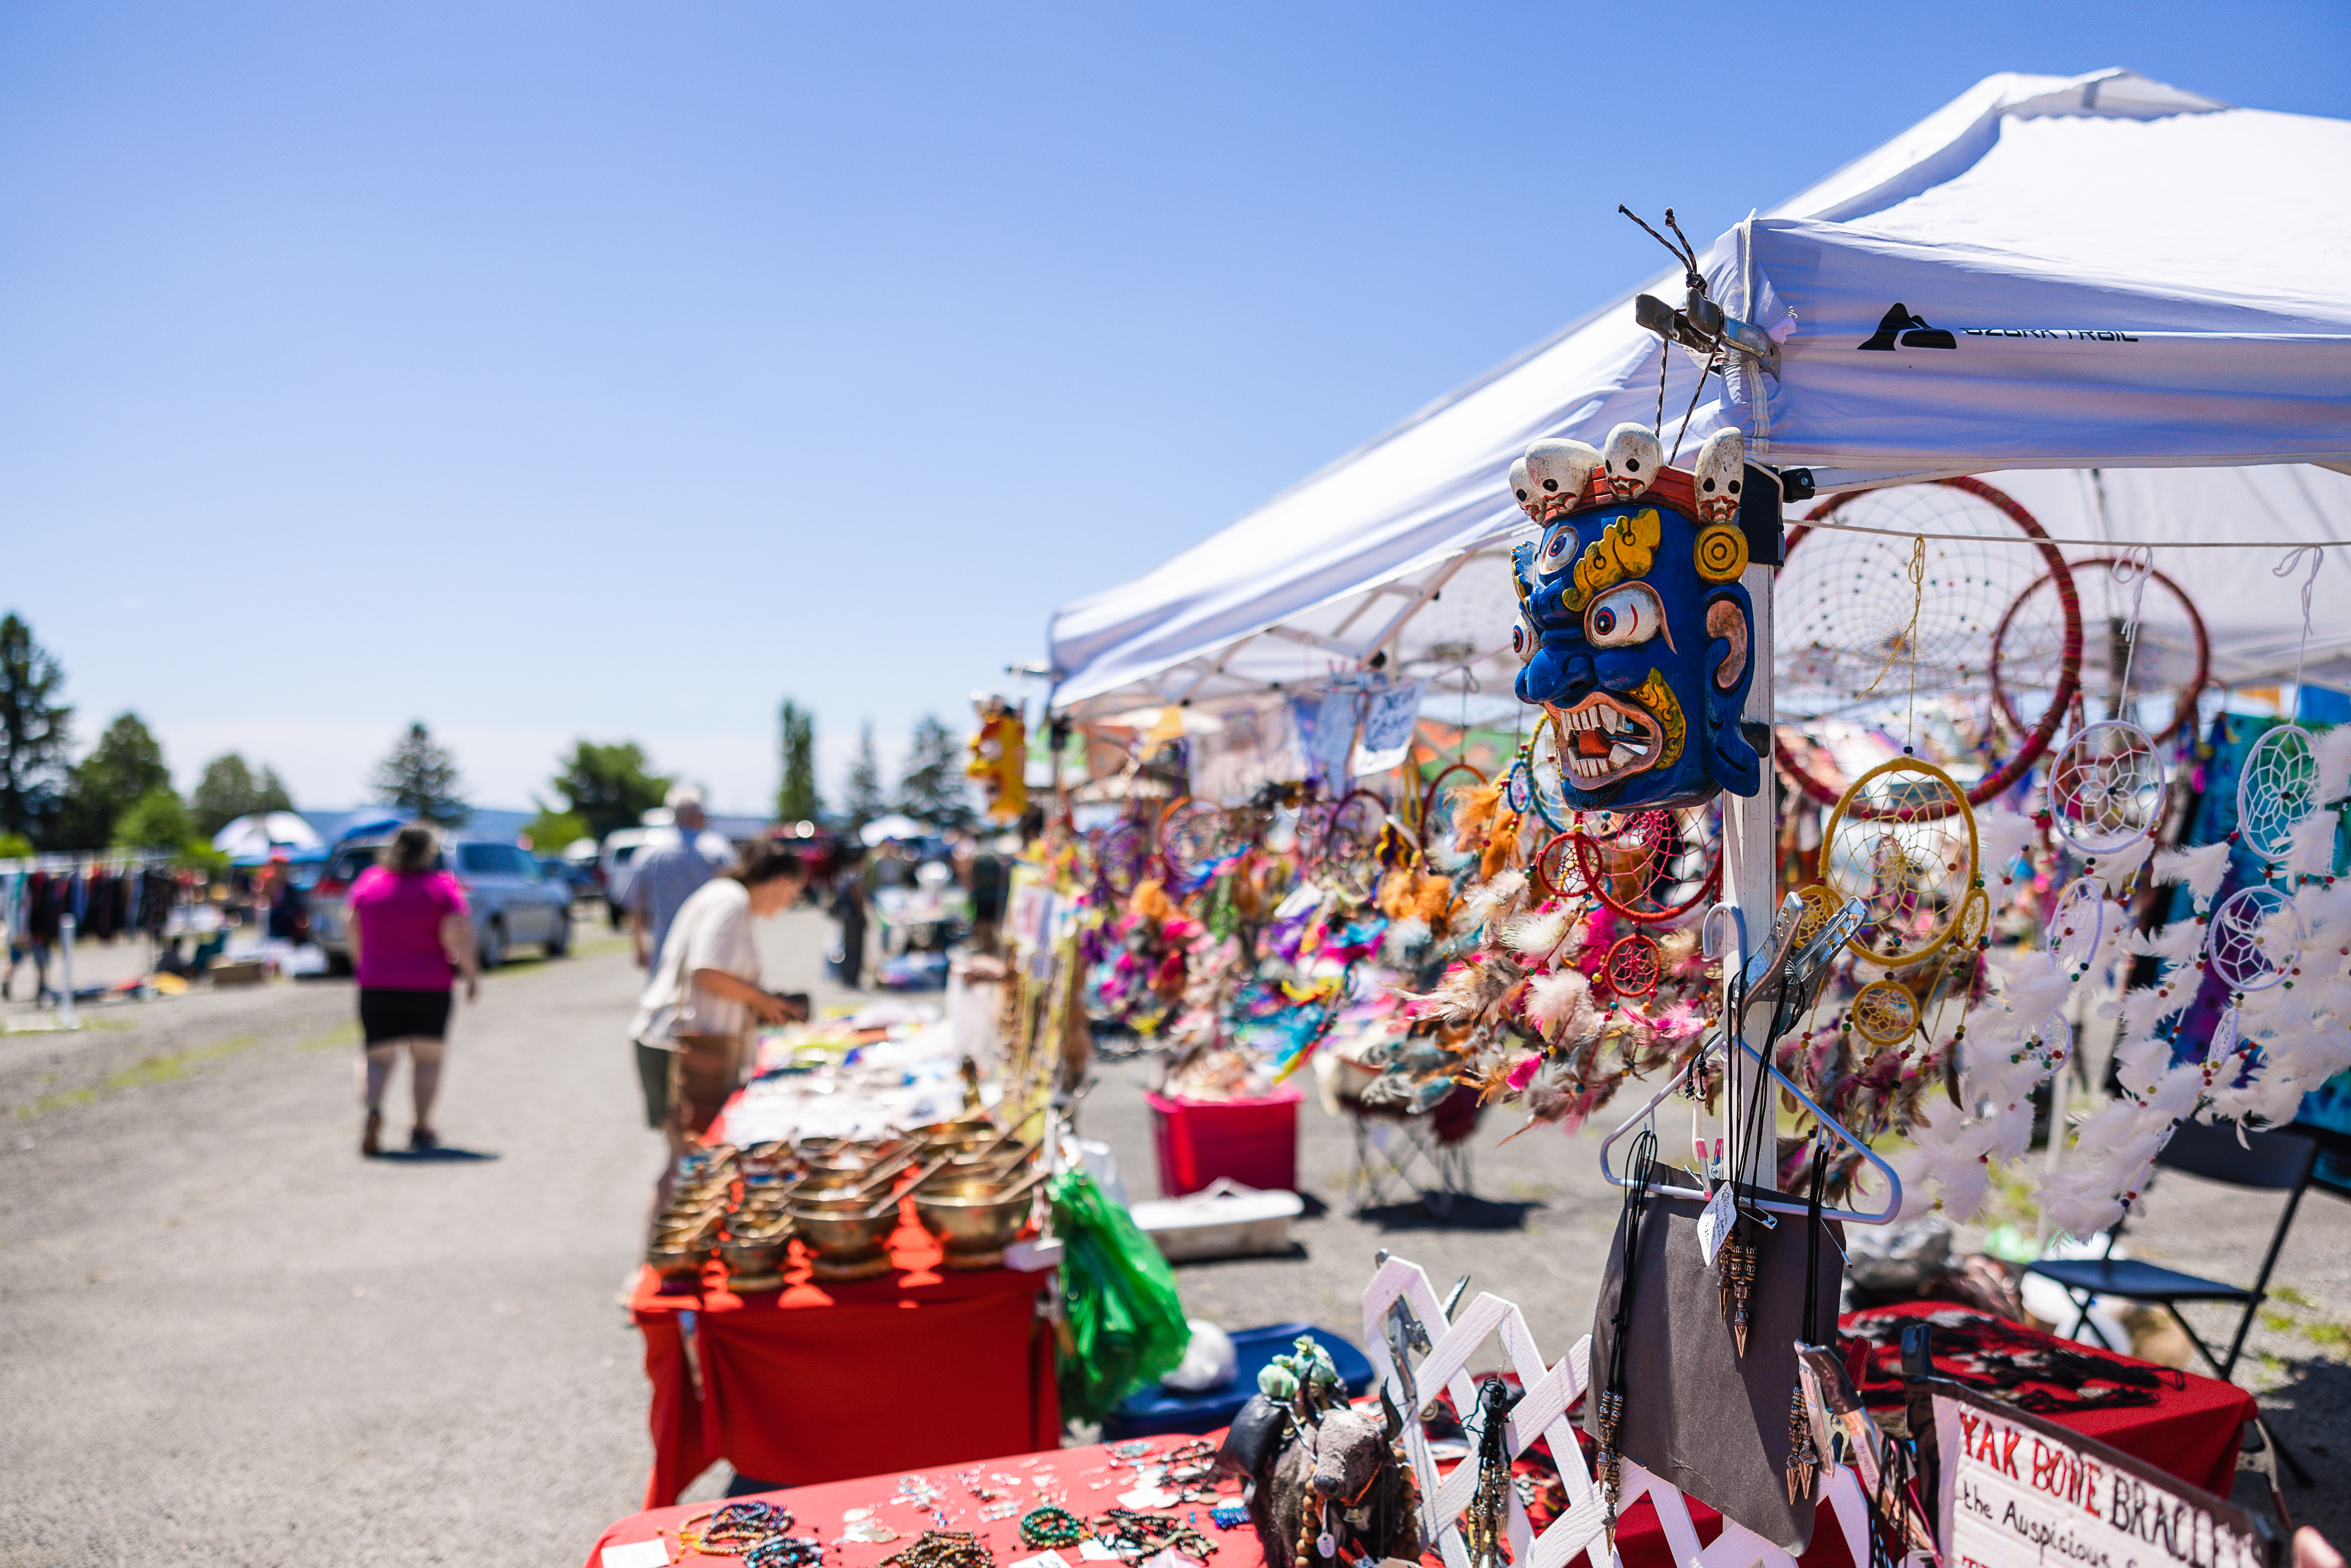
(2252, 939)
(1884, 1012)
(1120, 857)
(1559, 869)
(1852, 606)
(2077, 923)
(1903, 842)
(1541, 768)
(2106, 789)
(2137, 624)
(1439, 803)
(2279, 787)
(1635, 965)
(1347, 844)
(1653, 866)
(1195, 836)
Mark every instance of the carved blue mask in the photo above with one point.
(1637, 640)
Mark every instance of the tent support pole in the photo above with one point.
(1750, 857)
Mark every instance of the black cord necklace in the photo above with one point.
(1642, 1167)
(1804, 1459)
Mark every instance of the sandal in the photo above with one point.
(423, 1138)
(368, 1146)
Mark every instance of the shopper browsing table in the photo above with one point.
(409, 937)
(704, 991)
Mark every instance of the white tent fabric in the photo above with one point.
(257, 835)
(2055, 183)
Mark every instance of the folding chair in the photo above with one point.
(2266, 1162)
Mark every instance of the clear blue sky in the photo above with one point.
(553, 370)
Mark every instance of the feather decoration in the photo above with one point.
(2311, 845)
(1500, 843)
(1560, 1003)
(1473, 808)
(2116, 870)
(2333, 754)
(2200, 868)
(2001, 837)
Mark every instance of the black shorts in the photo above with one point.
(388, 1015)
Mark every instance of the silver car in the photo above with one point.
(512, 899)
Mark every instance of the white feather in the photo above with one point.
(1536, 936)
(2116, 870)
(2311, 845)
(1554, 999)
(2200, 868)
(2333, 753)
(2001, 837)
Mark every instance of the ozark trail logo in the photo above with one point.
(1899, 325)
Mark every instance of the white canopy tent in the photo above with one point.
(2130, 275)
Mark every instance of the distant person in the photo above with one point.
(289, 906)
(409, 937)
(849, 908)
(704, 991)
(666, 874)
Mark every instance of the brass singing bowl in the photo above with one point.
(970, 1130)
(974, 1216)
(833, 1199)
(673, 1256)
(830, 1233)
(754, 1255)
(974, 1165)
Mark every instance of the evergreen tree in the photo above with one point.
(934, 789)
(420, 777)
(796, 798)
(124, 767)
(608, 787)
(864, 795)
(227, 790)
(34, 727)
(156, 820)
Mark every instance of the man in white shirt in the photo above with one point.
(703, 992)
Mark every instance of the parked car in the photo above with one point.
(578, 876)
(511, 898)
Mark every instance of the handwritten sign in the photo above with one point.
(2013, 1492)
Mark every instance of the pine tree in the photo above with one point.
(34, 727)
(796, 798)
(125, 767)
(865, 801)
(227, 790)
(934, 789)
(421, 776)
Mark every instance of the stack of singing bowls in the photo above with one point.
(685, 1232)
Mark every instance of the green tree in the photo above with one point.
(932, 789)
(34, 729)
(796, 798)
(227, 790)
(608, 787)
(419, 775)
(16, 847)
(864, 800)
(156, 820)
(125, 767)
(552, 831)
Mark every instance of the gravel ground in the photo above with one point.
(272, 1352)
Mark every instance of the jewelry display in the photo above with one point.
(1051, 1526)
(943, 1549)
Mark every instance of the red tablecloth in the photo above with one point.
(920, 1366)
(2189, 1431)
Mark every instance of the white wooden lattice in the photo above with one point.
(1541, 1412)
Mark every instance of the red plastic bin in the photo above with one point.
(1254, 1142)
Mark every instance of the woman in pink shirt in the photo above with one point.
(409, 937)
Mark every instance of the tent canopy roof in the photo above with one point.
(2034, 191)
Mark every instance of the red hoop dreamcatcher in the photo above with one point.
(1559, 869)
(1635, 966)
(1661, 874)
(2170, 651)
(1861, 649)
(1347, 844)
(1438, 801)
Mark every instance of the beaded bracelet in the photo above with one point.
(1051, 1526)
(943, 1549)
(784, 1552)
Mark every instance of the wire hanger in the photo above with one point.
(1725, 937)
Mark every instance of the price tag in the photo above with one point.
(652, 1553)
(1714, 1222)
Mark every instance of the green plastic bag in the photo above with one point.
(1126, 1326)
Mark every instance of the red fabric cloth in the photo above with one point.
(2191, 1432)
(818, 1382)
(817, 1510)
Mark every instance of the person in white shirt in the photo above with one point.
(704, 991)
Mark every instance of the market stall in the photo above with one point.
(1847, 811)
(851, 1239)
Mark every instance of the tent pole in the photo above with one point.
(1750, 856)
